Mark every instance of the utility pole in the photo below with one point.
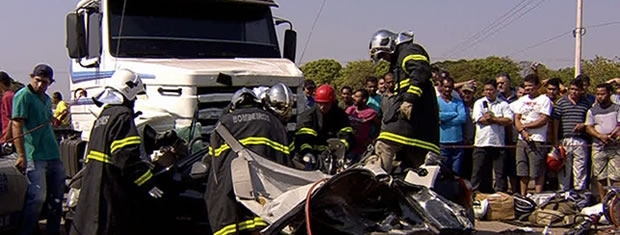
(578, 33)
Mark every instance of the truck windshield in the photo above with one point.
(191, 29)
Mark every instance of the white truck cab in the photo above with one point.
(191, 54)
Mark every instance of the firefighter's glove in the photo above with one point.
(406, 109)
(156, 192)
(309, 160)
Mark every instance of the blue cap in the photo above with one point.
(44, 71)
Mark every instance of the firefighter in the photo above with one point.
(411, 122)
(280, 99)
(261, 132)
(322, 121)
(117, 182)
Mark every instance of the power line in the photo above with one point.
(540, 43)
(494, 23)
(502, 27)
(561, 35)
(316, 19)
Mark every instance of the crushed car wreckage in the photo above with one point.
(363, 199)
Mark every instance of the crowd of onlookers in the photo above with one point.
(558, 135)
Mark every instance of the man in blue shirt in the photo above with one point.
(452, 116)
(309, 87)
(38, 152)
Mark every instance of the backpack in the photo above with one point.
(557, 212)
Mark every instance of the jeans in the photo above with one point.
(46, 181)
(454, 156)
(576, 165)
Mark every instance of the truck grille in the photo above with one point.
(213, 100)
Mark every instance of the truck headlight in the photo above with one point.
(72, 197)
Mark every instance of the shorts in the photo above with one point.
(606, 163)
(530, 159)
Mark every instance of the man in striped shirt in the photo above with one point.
(569, 115)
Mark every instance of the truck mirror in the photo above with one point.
(76, 36)
(94, 35)
(290, 44)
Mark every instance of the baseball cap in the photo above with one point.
(468, 87)
(43, 70)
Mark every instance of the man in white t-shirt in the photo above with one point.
(531, 118)
(491, 116)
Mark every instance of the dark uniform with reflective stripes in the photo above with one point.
(419, 135)
(116, 182)
(262, 133)
(314, 128)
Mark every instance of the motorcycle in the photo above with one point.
(182, 205)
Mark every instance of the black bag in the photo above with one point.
(523, 207)
(72, 154)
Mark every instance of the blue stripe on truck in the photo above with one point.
(83, 76)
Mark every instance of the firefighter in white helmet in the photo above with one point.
(117, 183)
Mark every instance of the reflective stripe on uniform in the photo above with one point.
(345, 142)
(291, 146)
(305, 146)
(245, 225)
(413, 57)
(321, 148)
(255, 141)
(306, 131)
(414, 90)
(403, 83)
(98, 156)
(409, 141)
(143, 178)
(118, 144)
(346, 129)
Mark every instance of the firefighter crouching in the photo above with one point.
(323, 121)
(410, 125)
(261, 132)
(117, 182)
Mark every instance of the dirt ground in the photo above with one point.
(495, 227)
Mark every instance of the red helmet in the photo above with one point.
(325, 94)
(556, 158)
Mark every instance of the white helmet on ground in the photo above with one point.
(280, 99)
(125, 85)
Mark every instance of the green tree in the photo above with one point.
(481, 69)
(321, 71)
(601, 69)
(355, 72)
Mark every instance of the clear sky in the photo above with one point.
(34, 30)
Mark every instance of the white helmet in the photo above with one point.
(125, 85)
(384, 41)
(280, 99)
(244, 96)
